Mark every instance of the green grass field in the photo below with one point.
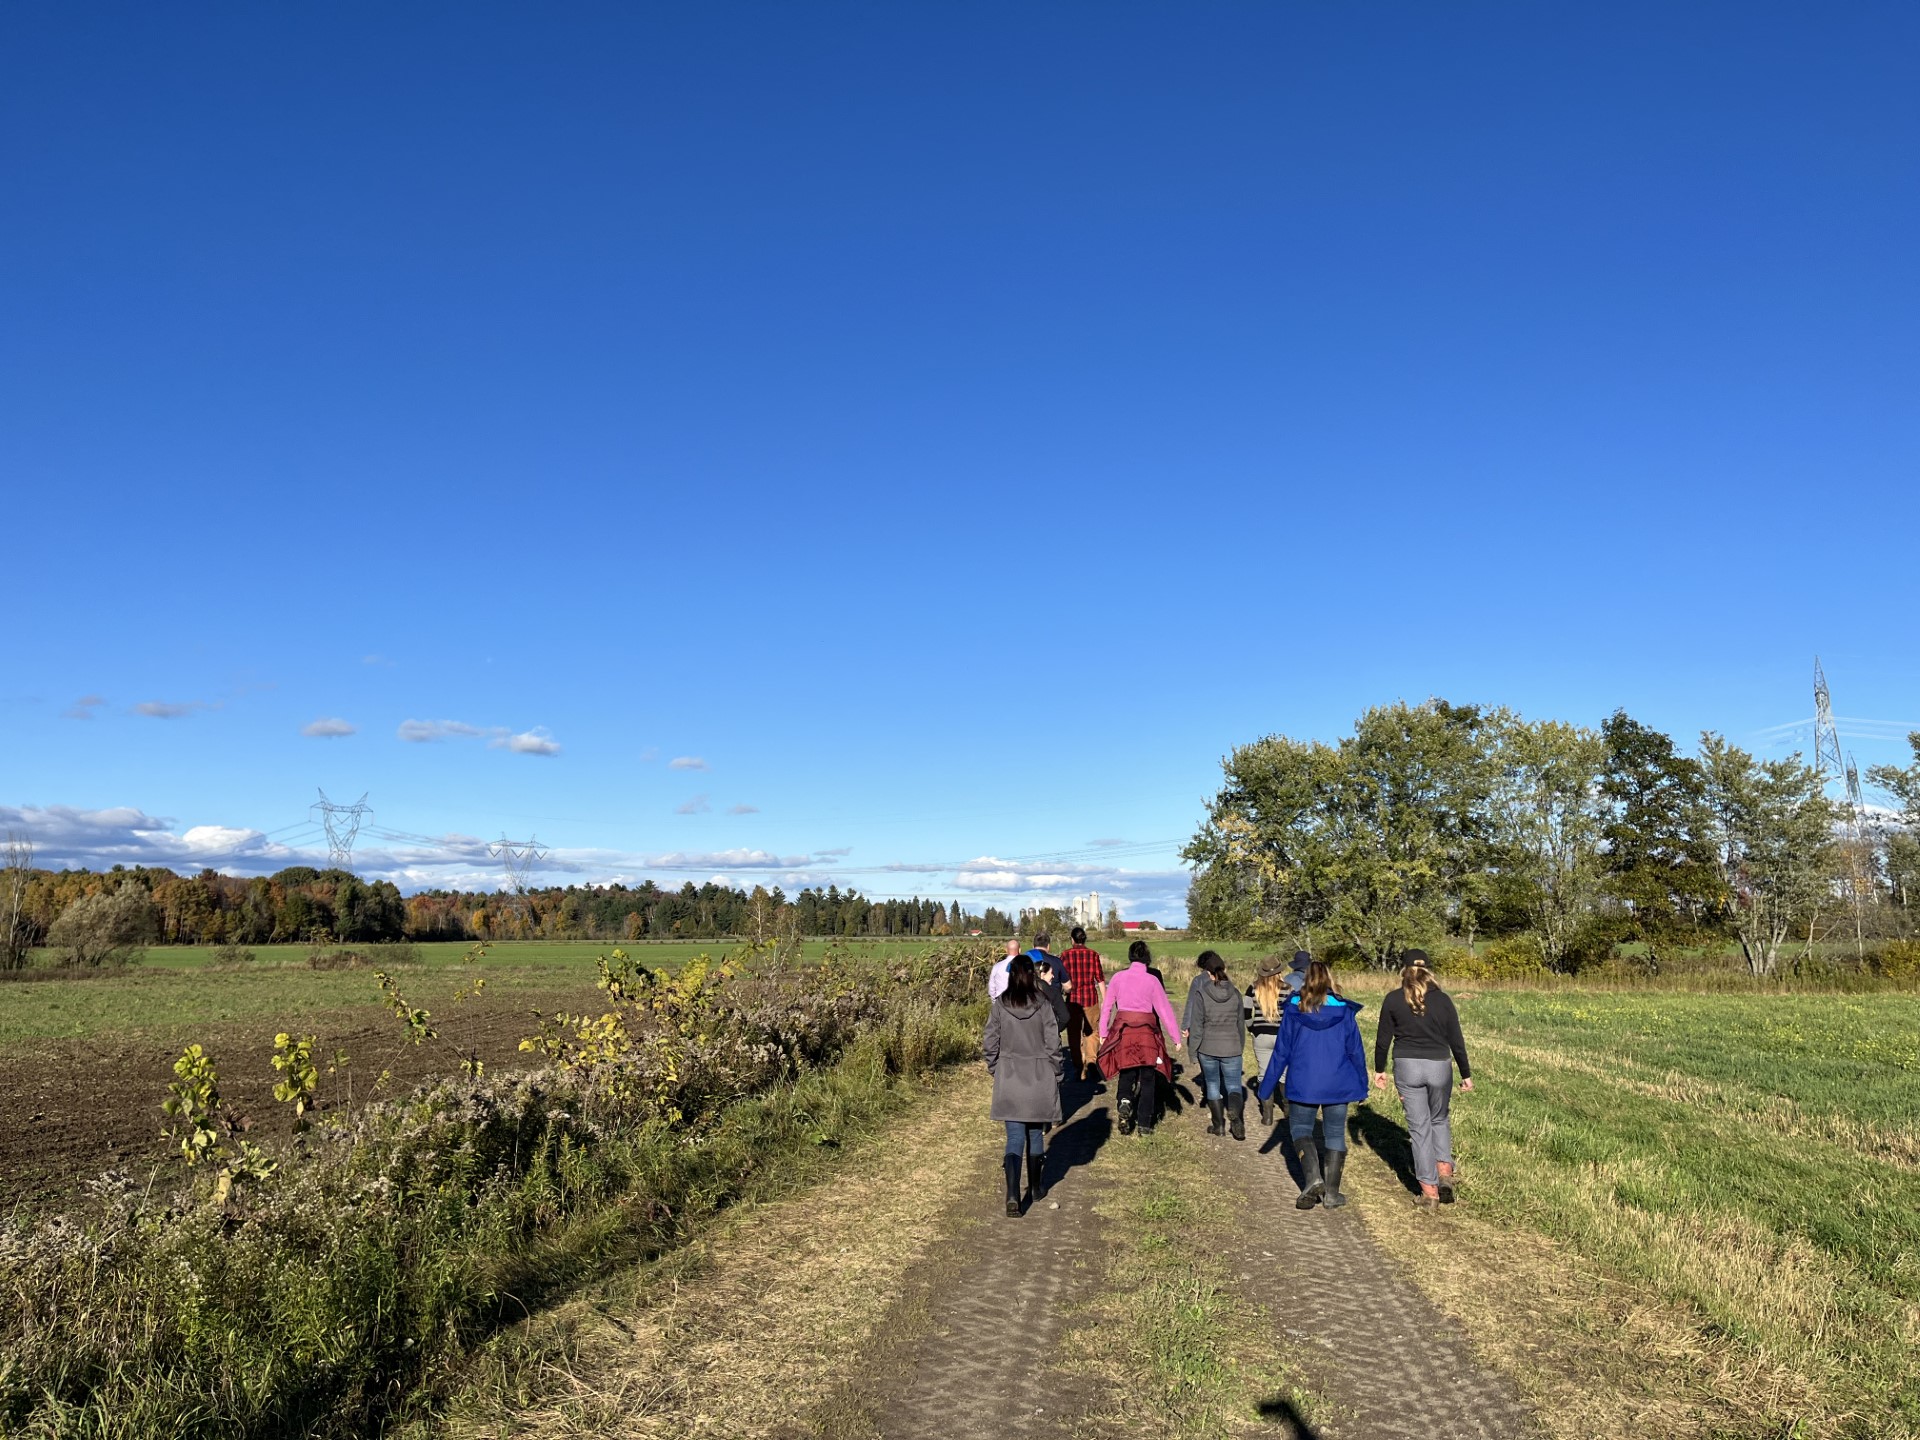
(183, 986)
(1734, 1180)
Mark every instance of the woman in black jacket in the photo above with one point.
(1419, 1024)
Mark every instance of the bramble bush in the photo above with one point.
(1513, 957)
(1899, 960)
(336, 1293)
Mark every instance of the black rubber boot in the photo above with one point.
(1036, 1177)
(1336, 1165)
(1312, 1187)
(1218, 1110)
(1266, 1112)
(1237, 1115)
(1013, 1184)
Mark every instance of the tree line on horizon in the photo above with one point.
(1438, 823)
(89, 917)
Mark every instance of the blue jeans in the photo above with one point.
(1030, 1137)
(1222, 1074)
(1333, 1123)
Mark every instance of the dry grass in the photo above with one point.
(1598, 1358)
(1689, 1216)
(1167, 1336)
(758, 1324)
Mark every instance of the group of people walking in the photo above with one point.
(1305, 1037)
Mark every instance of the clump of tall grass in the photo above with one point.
(331, 1295)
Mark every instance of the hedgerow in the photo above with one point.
(330, 1293)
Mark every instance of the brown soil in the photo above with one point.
(70, 1109)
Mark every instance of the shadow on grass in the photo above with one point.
(1388, 1139)
(1282, 1411)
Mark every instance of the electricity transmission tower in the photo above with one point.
(1829, 761)
(342, 823)
(518, 857)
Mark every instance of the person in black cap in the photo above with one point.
(1421, 1028)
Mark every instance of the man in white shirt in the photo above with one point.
(997, 976)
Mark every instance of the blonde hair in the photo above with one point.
(1414, 981)
(1266, 995)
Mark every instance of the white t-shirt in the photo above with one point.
(997, 977)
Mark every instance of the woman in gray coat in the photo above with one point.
(1022, 1046)
(1216, 1026)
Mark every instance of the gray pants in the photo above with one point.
(1262, 1053)
(1426, 1089)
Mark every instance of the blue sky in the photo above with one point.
(940, 431)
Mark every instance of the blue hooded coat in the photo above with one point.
(1320, 1054)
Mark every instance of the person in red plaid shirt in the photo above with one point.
(1083, 1000)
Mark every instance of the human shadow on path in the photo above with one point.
(1388, 1139)
(1285, 1412)
(1074, 1144)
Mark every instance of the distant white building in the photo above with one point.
(1087, 912)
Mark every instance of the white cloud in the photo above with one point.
(327, 727)
(529, 742)
(840, 853)
(1107, 844)
(83, 708)
(422, 732)
(743, 810)
(696, 806)
(67, 837)
(169, 709)
(537, 741)
(686, 762)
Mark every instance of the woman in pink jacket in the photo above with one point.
(1138, 1032)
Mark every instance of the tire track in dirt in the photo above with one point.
(1391, 1366)
(980, 1368)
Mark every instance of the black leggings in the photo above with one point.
(1141, 1084)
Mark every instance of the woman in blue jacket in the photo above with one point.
(1320, 1053)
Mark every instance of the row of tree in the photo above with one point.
(71, 910)
(1440, 820)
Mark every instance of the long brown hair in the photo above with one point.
(1318, 986)
(1415, 978)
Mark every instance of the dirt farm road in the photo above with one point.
(898, 1302)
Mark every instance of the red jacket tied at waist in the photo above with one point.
(1134, 1038)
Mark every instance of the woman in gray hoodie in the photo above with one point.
(1023, 1054)
(1216, 1026)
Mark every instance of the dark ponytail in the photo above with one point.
(1023, 984)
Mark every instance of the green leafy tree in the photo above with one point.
(1660, 860)
(1773, 839)
(111, 927)
(1547, 819)
(1374, 840)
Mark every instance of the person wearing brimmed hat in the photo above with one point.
(1419, 1024)
(1216, 1026)
(1265, 1005)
